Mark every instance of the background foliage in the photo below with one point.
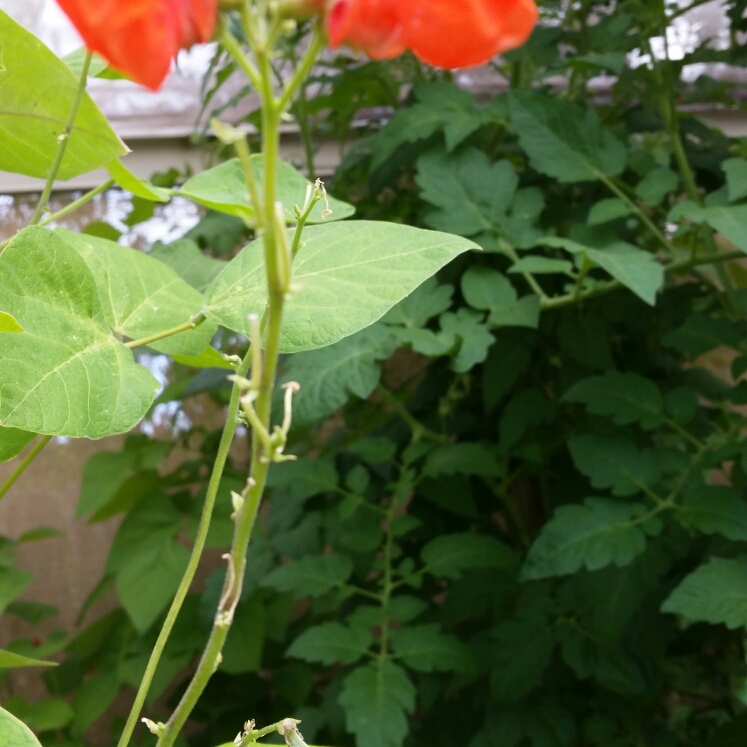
(518, 517)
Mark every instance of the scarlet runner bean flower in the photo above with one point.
(443, 33)
(141, 37)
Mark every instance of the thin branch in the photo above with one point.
(21, 468)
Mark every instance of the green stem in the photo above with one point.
(242, 150)
(531, 280)
(191, 324)
(419, 431)
(303, 70)
(232, 46)
(296, 245)
(73, 206)
(229, 430)
(63, 140)
(21, 468)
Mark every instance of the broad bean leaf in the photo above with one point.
(736, 177)
(592, 535)
(189, 263)
(223, 188)
(10, 660)
(311, 576)
(488, 290)
(715, 593)
(12, 583)
(563, 140)
(625, 397)
(65, 375)
(43, 715)
(474, 196)
(136, 186)
(715, 509)
(13, 442)
(440, 106)
(463, 459)
(103, 475)
(376, 702)
(8, 324)
(15, 733)
(330, 643)
(346, 277)
(425, 649)
(428, 300)
(33, 118)
(93, 698)
(147, 581)
(141, 296)
(329, 375)
(449, 554)
(614, 462)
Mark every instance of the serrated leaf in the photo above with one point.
(564, 140)
(147, 581)
(701, 333)
(488, 290)
(637, 270)
(715, 509)
(10, 660)
(328, 376)
(331, 643)
(141, 296)
(598, 533)
(188, 261)
(223, 188)
(715, 593)
(65, 375)
(465, 333)
(30, 123)
(311, 576)
(13, 442)
(463, 459)
(474, 196)
(347, 276)
(303, 478)
(625, 397)
(614, 463)
(15, 733)
(608, 210)
(656, 185)
(425, 649)
(377, 700)
(450, 554)
(730, 222)
(428, 300)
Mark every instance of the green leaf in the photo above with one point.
(428, 300)
(311, 576)
(13, 442)
(425, 649)
(103, 475)
(463, 459)
(715, 509)
(44, 715)
(376, 702)
(66, 375)
(474, 196)
(8, 324)
(189, 263)
(540, 265)
(9, 660)
(701, 333)
(12, 583)
(208, 358)
(148, 581)
(93, 698)
(303, 478)
(328, 376)
(331, 643)
(564, 140)
(608, 210)
(614, 462)
(715, 593)
(736, 177)
(730, 222)
(594, 535)
(135, 186)
(441, 107)
(465, 332)
(488, 290)
(33, 613)
(242, 651)
(15, 732)
(625, 397)
(347, 276)
(449, 554)
(141, 296)
(223, 188)
(635, 269)
(656, 185)
(31, 123)
(76, 59)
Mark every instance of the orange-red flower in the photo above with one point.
(141, 37)
(443, 33)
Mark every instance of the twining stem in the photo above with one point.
(21, 468)
(419, 431)
(63, 140)
(191, 324)
(199, 544)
